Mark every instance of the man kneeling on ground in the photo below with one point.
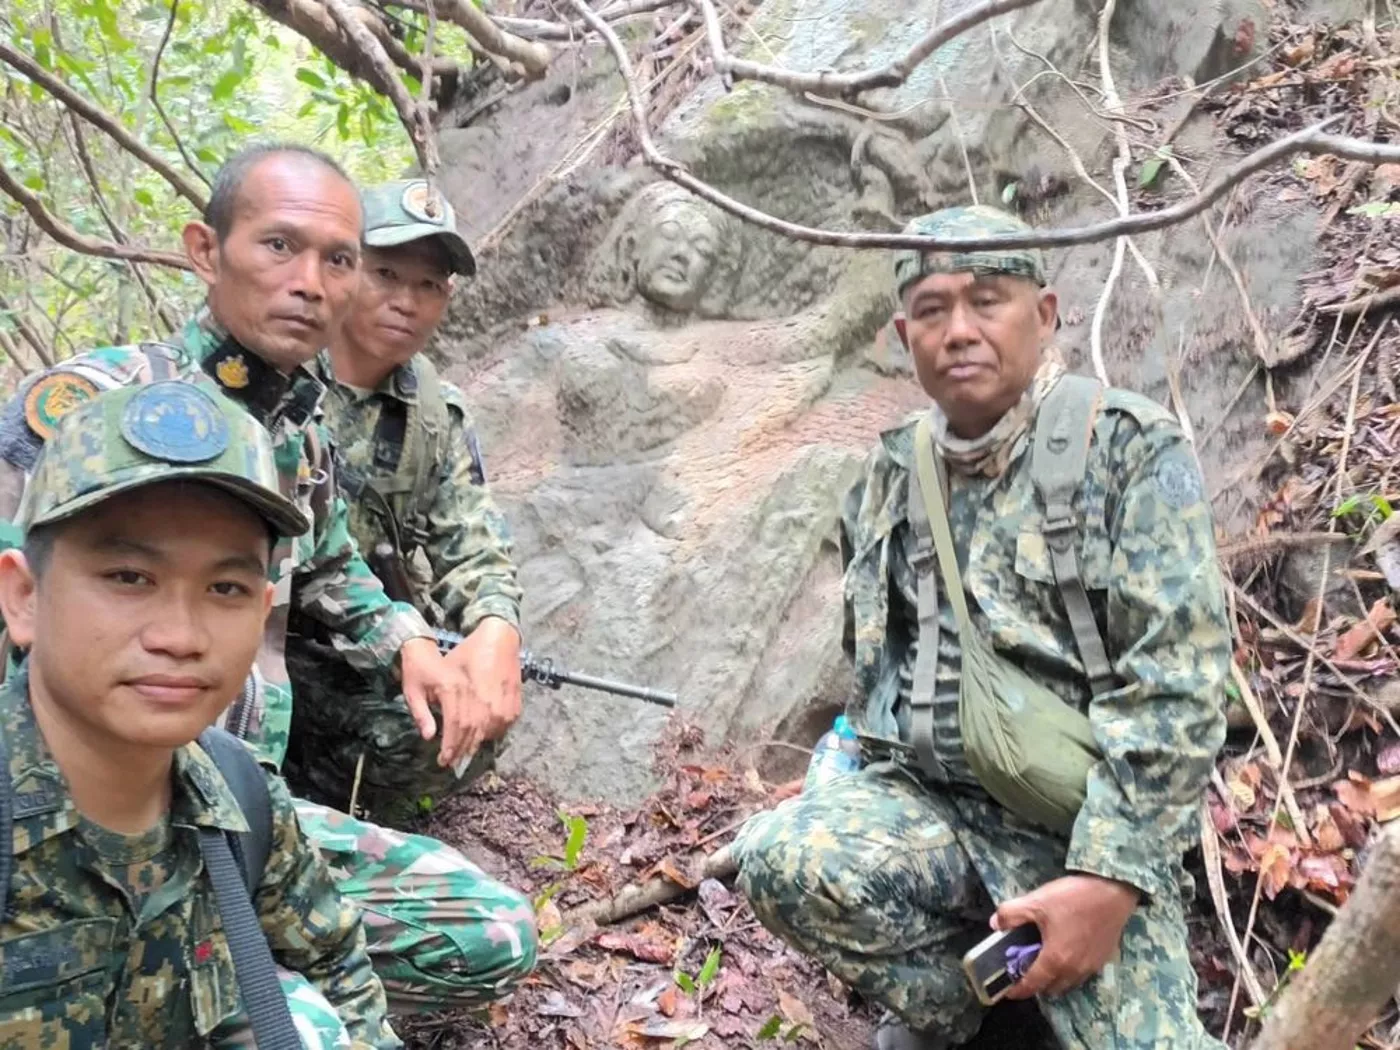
(141, 594)
(1040, 643)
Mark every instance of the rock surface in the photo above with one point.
(671, 402)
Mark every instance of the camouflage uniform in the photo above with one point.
(411, 441)
(450, 934)
(116, 940)
(332, 583)
(335, 587)
(888, 875)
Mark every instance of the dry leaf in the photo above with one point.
(1326, 834)
(1296, 56)
(1388, 761)
(795, 1011)
(1275, 868)
(1277, 423)
(1311, 619)
(666, 1001)
(1379, 619)
(653, 948)
(1385, 179)
(671, 870)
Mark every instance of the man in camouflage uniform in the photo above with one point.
(279, 253)
(141, 596)
(889, 874)
(410, 467)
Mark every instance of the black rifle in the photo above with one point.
(389, 566)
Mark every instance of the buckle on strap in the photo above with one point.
(1059, 528)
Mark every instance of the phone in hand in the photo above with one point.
(998, 962)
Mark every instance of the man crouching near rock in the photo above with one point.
(1035, 749)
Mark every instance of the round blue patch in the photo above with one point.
(177, 422)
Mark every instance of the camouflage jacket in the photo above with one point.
(385, 437)
(83, 966)
(334, 586)
(1147, 557)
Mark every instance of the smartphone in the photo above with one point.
(992, 970)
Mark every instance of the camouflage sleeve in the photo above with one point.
(317, 933)
(1169, 634)
(469, 543)
(336, 587)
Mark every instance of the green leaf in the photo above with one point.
(1151, 168)
(1376, 210)
(306, 109)
(225, 86)
(35, 182)
(684, 983)
(144, 198)
(43, 56)
(793, 1034)
(1296, 960)
(342, 121)
(577, 836)
(710, 970)
(238, 125)
(310, 76)
(770, 1029)
(1008, 193)
(207, 155)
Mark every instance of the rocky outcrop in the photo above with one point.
(671, 401)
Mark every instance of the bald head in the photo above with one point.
(227, 196)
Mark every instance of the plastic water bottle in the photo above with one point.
(836, 754)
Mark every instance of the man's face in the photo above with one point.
(976, 343)
(675, 257)
(401, 297)
(144, 623)
(284, 275)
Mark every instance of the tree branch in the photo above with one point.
(1352, 972)
(102, 119)
(837, 85)
(573, 32)
(415, 118)
(533, 58)
(1310, 140)
(81, 242)
(27, 333)
(155, 96)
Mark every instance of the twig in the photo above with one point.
(415, 120)
(1375, 301)
(12, 353)
(359, 772)
(832, 84)
(27, 333)
(102, 119)
(715, 35)
(573, 32)
(1215, 878)
(961, 140)
(1271, 751)
(532, 57)
(155, 96)
(638, 897)
(1274, 543)
(80, 242)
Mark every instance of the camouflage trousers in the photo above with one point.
(341, 714)
(315, 1018)
(887, 882)
(441, 932)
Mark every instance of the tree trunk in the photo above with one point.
(1337, 996)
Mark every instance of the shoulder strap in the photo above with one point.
(253, 965)
(433, 408)
(929, 522)
(7, 826)
(1060, 455)
(245, 778)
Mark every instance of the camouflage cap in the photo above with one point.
(409, 210)
(136, 436)
(974, 221)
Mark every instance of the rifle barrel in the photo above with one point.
(544, 671)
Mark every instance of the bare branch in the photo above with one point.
(102, 119)
(415, 119)
(11, 351)
(425, 103)
(27, 333)
(836, 85)
(1311, 140)
(81, 242)
(155, 95)
(533, 58)
(572, 32)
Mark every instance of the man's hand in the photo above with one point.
(490, 659)
(428, 678)
(1081, 920)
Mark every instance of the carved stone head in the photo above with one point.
(663, 246)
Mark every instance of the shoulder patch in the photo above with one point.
(53, 397)
(1177, 480)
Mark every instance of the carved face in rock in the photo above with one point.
(676, 255)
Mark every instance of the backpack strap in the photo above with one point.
(235, 873)
(433, 423)
(921, 695)
(1059, 458)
